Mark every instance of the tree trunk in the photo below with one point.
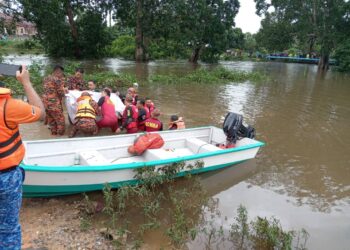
(195, 55)
(73, 28)
(323, 64)
(311, 45)
(140, 47)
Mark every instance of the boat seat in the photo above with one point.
(199, 146)
(162, 154)
(92, 158)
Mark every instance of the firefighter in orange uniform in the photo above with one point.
(12, 113)
(53, 97)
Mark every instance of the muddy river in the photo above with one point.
(302, 175)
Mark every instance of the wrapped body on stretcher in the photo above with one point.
(73, 95)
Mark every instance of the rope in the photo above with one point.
(202, 146)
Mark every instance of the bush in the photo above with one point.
(167, 49)
(28, 44)
(123, 46)
(342, 55)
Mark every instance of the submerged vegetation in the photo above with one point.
(217, 75)
(182, 212)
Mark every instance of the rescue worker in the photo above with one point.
(47, 120)
(143, 114)
(176, 123)
(53, 94)
(76, 82)
(85, 119)
(149, 105)
(12, 113)
(109, 117)
(132, 92)
(130, 115)
(92, 86)
(153, 124)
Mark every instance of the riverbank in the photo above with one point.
(56, 224)
(157, 215)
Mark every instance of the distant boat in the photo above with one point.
(298, 59)
(68, 166)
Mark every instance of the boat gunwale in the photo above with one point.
(134, 165)
(109, 137)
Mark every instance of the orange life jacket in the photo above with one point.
(11, 148)
(179, 124)
(144, 142)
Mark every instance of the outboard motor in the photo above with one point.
(234, 129)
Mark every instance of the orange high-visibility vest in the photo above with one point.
(11, 147)
(85, 110)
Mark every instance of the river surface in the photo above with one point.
(301, 176)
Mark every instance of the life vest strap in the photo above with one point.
(11, 150)
(9, 141)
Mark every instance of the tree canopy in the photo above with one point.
(193, 29)
(79, 27)
(309, 23)
(67, 28)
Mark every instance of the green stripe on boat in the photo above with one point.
(46, 191)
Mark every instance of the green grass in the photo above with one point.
(218, 75)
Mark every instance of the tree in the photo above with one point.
(342, 51)
(312, 22)
(67, 27)
(140, 15)
(275, 34)
(250, 44)
(207, 26)
(2, 26)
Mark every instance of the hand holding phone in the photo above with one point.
(23, 76)
(9, 69)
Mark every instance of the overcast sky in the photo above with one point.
(246, 18)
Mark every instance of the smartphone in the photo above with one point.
(9, 69)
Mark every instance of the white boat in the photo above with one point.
(68, 166)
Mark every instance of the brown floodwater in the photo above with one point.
(301, 176)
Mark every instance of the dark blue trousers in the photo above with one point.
(10, 204)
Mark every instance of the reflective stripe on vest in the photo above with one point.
(85, 110)
(11, 147)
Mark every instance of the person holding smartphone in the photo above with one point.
(12, 113)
